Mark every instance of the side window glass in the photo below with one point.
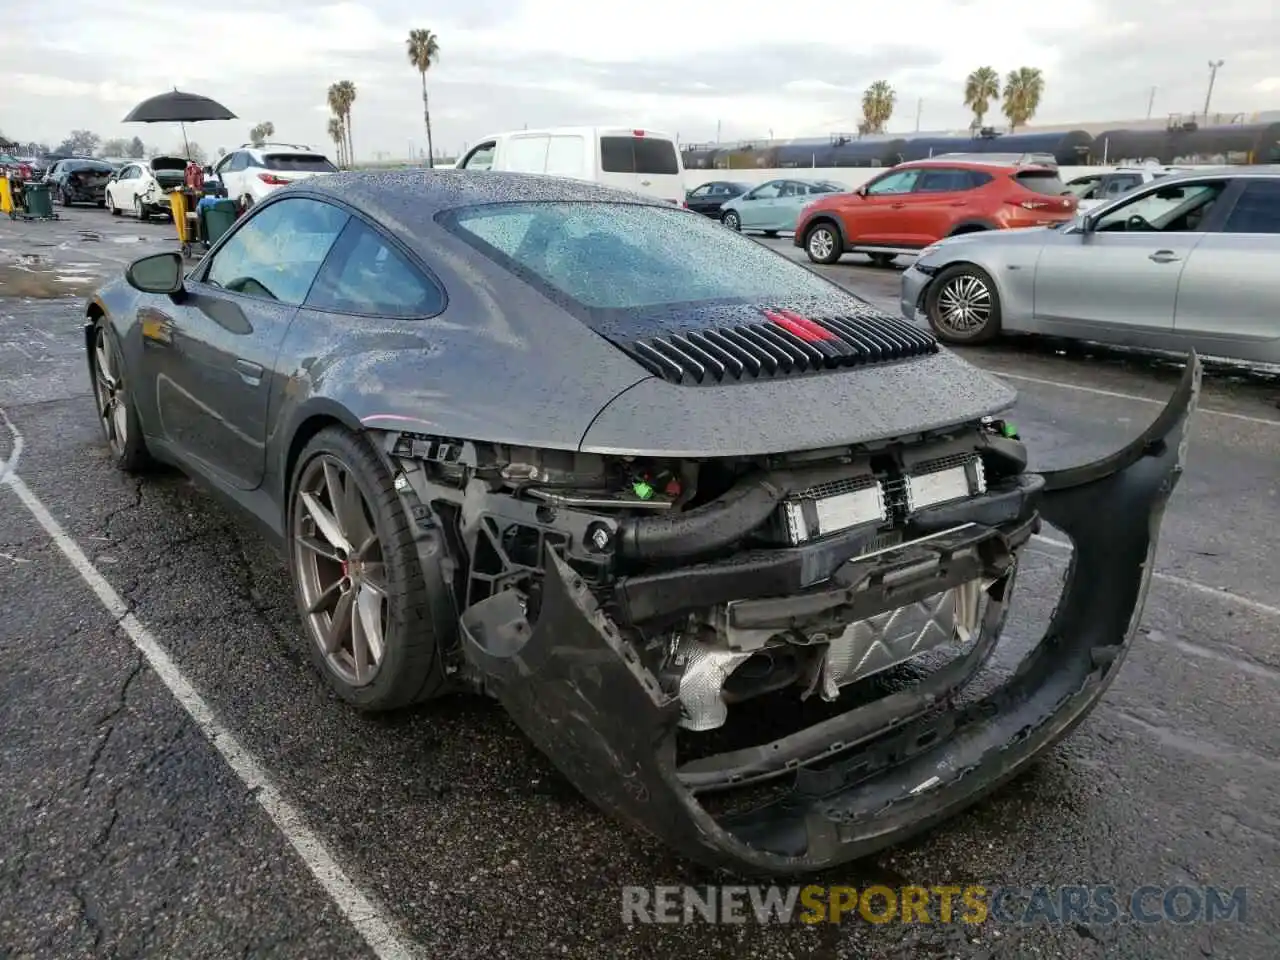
(902, 182)
(1171, 209)
(566, 156)
(943, 181)
(769, 191)
(706, 190)
(277, 252)
(481, 158)
(1257, 210)
(366, 275)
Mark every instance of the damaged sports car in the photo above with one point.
(678, 503)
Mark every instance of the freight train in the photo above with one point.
(1185, 145)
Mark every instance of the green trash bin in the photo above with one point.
(217, 218)
(35, 199)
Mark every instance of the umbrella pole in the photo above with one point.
(185, 145)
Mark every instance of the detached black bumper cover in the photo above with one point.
(579, 693)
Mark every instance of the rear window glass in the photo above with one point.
(623, 256)
(651, 155)
(168, 163)
(1257, 210)
(298, 163)
(88, 166)
(1041, 181)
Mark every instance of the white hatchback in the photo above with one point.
(252, 171)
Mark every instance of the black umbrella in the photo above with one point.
(178, 107)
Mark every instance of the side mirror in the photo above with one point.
(1088, 224)
(158, 273)
(861, 191)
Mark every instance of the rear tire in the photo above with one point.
(963, 305)
(407, 609)
(139, 210)
(246, 204)
(823, 243)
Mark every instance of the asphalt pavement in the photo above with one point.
(176, 782)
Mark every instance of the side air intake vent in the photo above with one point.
(783, 344)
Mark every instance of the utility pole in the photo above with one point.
(717, 131)
(919, 110)
(1213, 75)
(1151, 102)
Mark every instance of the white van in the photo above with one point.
(642, 161)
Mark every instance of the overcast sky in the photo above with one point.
(796, 70)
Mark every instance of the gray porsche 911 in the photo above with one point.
(678, 503)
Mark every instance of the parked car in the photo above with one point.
(774, 206)
(142, 186)
(1184, 262)
(1094, 189)
(646, 483)
(708, 198)
(642, 161)
(916, 204)
(249, 174)
(79, 180)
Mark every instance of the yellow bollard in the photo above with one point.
(6, 197)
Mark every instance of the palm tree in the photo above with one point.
(334, 98)
(337, 135)
(877, 106)
(424, 53)
(348, 98)
(980, 88)
(1023, 89)
(341, 96)
(262, 132)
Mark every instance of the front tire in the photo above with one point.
(111, 204)
(246, 204)
(65, 197)
(963, 305)
(377, 621)
(731, 220)
(823, 244)
(116, 415)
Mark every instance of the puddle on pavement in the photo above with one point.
(44, 282)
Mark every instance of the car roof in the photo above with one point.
(1249, 172)
(407, 198)
(939, 162)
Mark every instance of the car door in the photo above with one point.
(126, 186)
(938, 201)
(221, 170)
(233, 174)
(210, 360)
(1122, 274)
(1229, 291)
(755, 207)
(699, 199)
(872, 218)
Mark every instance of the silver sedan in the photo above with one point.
(1188, 261)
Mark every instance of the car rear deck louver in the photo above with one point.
(783, 344)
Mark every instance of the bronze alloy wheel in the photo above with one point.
(341, 574)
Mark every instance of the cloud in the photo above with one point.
(684, 67)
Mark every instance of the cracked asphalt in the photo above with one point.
(129, 836)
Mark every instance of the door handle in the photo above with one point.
(896, 206)
(1164, 256)
(958, 203)
(250, 373)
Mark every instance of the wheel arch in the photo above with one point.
(829, 219)
(316, 417)
(972, 226)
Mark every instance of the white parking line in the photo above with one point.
(1257, 606)
(1117, 395)
(371, 921)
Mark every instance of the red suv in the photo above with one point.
(916, 204)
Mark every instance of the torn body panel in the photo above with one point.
(862, 780)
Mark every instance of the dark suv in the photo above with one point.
(80, 180)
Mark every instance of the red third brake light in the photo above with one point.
(801, 327)
(272, 180)
(637, 133)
